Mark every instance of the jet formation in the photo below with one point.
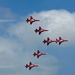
(48, 41)
(38, 54)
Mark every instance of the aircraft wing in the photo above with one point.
(30, 68)
(31, 17)
(39, 28)
(59, 43)
(39, 33)
(48, 39)
(59, 38)
(31, 23)
(30, 63)
(37, 56)
(47, 44)
(38, 51)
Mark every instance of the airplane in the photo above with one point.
(39, 54)
(40, 30)
(48, 41)
(61, 40)
(31, 20)
(31, 65)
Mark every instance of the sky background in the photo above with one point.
(18, 41)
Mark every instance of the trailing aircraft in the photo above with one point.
(31, 65)
(40, 30)
(31, 20)
(61, 40)
(48, 41)
(39, 54)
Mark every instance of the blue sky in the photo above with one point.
(24, 7)
(18, 39)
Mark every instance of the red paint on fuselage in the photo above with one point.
(61, 40)
(39, 54)
(31, 20)
(48, 41)
(31, 65)
(40, 30)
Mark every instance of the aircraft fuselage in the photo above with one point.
(32, 20)
(39, 54)
(49, 41)
(31, 66)
(41, 30)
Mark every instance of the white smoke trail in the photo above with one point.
(6, 66)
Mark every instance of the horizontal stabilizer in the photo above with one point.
(44, 41)
(36, 30)
(34, 54)
(26, 66)
(27, 20)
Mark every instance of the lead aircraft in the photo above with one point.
(48, 41)
(31, 20)
(40, 30)
(31, 65)
(39, 54)
(61, 40)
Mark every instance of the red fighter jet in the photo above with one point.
(61, 40)
(48, 41)
(31, 20)
(40, 30)
(39, 54)
(31, 65)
